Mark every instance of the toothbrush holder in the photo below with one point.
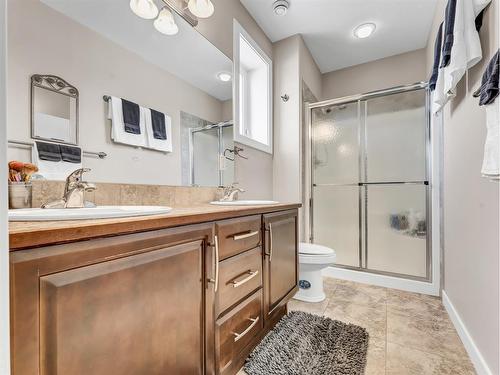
(20, 195)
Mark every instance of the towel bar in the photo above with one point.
(101, 154)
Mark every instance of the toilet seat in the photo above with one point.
(316, 254)
(314, 249)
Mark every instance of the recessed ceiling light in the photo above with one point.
(224, 76)
(280, 7)
(364, 30)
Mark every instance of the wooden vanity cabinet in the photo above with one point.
(131, 304)
(281, 273)
(193, 299)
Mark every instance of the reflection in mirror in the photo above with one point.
(206, 150)
(54, 109)
(122, 55)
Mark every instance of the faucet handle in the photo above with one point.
(74, 178)
(77, 174)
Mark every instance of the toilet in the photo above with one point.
(312, 260)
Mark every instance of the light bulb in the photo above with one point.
(165, 23)
(144, 8)
(224, 76)
(364, 30)
(201, 8)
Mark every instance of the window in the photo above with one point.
(253, 92)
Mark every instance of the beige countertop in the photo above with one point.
(41, 233)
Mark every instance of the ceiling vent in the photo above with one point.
(280, 7)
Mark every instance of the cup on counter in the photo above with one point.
(19, 195)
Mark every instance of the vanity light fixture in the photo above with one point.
(224, 76)
(165, 23)
(146, 9)
(201, 8)
(364, 30)
(280, 7)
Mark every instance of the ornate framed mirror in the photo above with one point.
(54, 109)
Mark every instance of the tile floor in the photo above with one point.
(410, 334)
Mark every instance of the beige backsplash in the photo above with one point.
(130, 194)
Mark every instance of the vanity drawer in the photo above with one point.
(239, 276)
(238, 235)
(237, 329)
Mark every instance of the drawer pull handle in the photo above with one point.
(238, 237)
(238, 336)
(251, 275)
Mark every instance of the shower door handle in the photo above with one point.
(394, 183)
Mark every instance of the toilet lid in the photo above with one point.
(314, 249)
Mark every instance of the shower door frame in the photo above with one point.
(220, 129)
(363, 187)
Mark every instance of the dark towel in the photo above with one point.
(479, 20)
(488, 91)
(131, 117)
(437, 58)
(71, 154)
(158, 121)
(449, 23)
(49, 151)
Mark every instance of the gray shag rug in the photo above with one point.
(307, 344)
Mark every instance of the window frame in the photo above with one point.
(239, 137)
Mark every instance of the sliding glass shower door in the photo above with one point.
(369, 182)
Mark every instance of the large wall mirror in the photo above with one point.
(163, 64)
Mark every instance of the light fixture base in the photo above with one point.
(180, 7)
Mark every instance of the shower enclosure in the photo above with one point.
(211, 163)
(370, 191)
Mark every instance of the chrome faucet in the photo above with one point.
(231, 192)
(74, 192)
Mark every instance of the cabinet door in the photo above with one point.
(137, 315)
(281, 259)
(148, 311)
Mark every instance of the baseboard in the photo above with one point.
(383, 280)
(475, 355)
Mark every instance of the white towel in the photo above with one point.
(466, 51)
(118, 133)
(157, 144)
(53, 170)
(491, 161)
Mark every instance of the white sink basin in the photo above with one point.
(243, 203)
(100, 212)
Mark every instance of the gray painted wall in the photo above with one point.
(471, 204)
(391, 71)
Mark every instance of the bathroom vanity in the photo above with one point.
(192, 292)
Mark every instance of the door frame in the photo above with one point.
(430, 285)
(4, 237)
